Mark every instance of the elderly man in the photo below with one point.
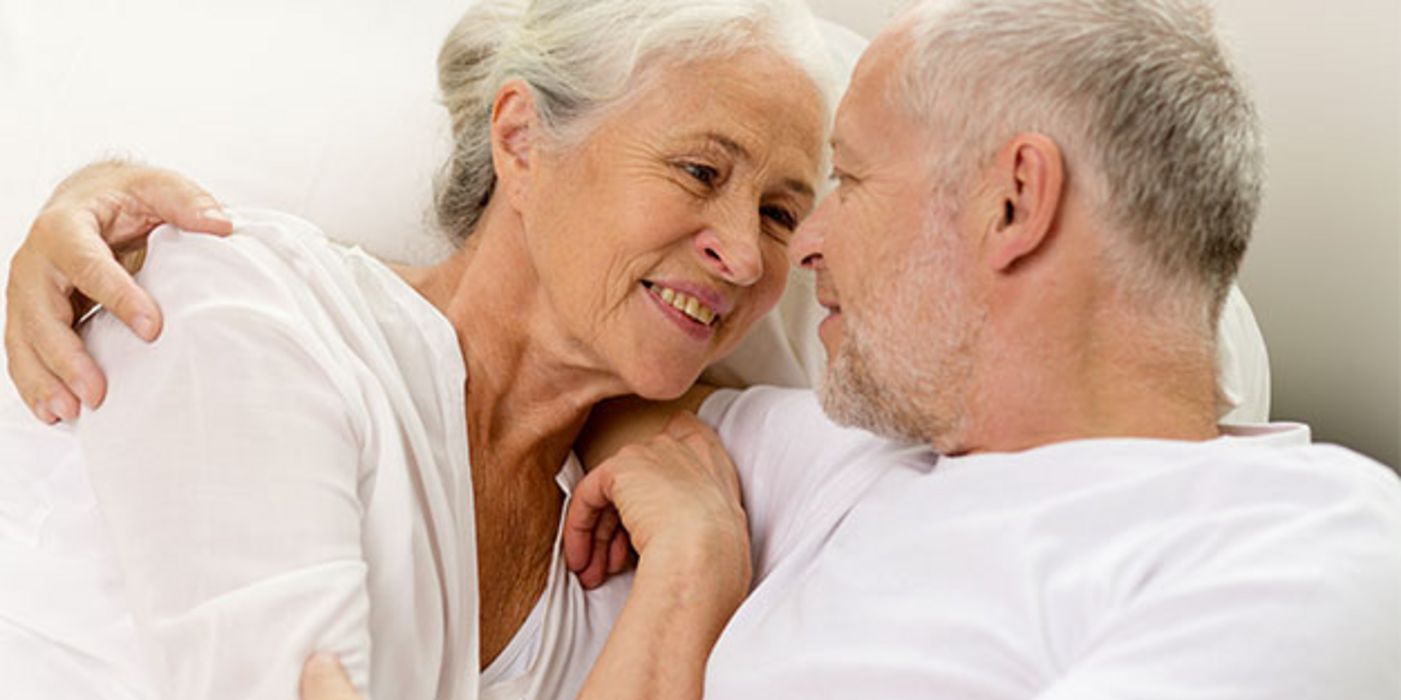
(1041, 205)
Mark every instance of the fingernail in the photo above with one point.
(80, 388)
(216, 214)
(59, 408)
(145, 326)
(43, 413)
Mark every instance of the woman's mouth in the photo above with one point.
(692, 315)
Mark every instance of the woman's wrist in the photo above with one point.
(706, 570)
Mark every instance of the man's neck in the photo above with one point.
(1099, 373)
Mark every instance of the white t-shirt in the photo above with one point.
(1251, 566)
(286, 470)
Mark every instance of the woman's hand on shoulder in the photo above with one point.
(678, 497)
(96, 221)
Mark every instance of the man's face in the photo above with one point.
(894, 269)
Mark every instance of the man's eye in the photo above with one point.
(703, 174)
(780, 216)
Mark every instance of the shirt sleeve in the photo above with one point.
(225, 465)
(798, 471)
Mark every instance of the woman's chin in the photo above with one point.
(663, 386)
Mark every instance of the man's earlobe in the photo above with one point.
(1033, 177)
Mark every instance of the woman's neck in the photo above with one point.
(530, 388)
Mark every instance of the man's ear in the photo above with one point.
(514, 127)
(1029, 181)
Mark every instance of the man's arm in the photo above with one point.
(98, 213)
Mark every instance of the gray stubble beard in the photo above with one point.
(909, 380)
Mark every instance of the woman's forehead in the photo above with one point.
(752, 106)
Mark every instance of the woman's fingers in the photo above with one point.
(596, 572)
(43, 346)
(619, 552)
(586, 507)
(42, 391)
(323, 678)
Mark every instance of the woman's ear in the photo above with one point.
(514, 127)
(1029, 180)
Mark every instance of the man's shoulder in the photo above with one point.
(1310, 475)
(783, 415)
(1231, 505)
(1131, 505)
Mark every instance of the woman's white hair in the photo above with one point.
(1142, 98)
(581, 56)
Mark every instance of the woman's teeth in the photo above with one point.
(688, 305)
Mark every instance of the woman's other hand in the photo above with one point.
(323, 678)
(70, 260)
(678, 498)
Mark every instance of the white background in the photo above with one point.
(1322, 273)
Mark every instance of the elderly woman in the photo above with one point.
(324, 453)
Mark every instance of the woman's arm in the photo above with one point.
(71, 256)
(678, 497)
(225, 464)
(628, 420)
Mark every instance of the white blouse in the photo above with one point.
(286, 470)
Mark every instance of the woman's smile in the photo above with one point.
(696, 312)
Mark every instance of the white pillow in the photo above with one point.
(323, 108)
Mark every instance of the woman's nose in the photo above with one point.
(732, 252)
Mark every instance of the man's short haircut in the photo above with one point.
(1141, 97)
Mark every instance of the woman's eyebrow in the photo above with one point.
(737, 151)
(731, 146)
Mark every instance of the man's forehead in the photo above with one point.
(882, 58)
(867, 99)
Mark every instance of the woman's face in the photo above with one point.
(661, 238)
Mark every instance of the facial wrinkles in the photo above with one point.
(634, 201)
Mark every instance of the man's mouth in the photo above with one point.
(694, 308)
(827, 294)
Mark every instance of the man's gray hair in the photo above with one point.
(579, 57)
(1141, 97)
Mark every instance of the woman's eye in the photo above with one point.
(780, 216)
(703, 174)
